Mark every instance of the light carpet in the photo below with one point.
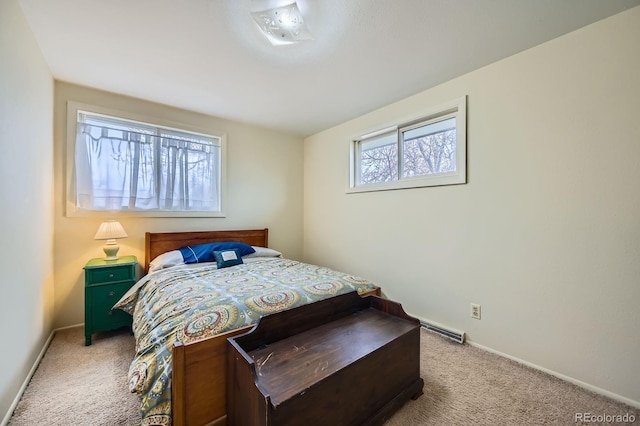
(78, 385)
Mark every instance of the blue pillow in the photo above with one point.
(226, 258)
(204, 252)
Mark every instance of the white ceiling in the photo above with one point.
(209, 56)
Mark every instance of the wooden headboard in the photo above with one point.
(157, 243)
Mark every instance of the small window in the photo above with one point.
(429, 151)
(125, 166)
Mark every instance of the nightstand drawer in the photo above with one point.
(110, 294)
(105, 319)
(104, 297)
(107, 275)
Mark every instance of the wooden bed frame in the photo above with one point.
(199, 369)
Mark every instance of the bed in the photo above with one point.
(191, 367)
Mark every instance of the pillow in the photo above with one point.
(264, 252)
(166, 260)
(226, 258)
(204, 252)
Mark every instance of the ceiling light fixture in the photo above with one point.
(282, 25)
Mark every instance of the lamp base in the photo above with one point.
(111, 250)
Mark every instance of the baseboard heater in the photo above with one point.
(456, 336)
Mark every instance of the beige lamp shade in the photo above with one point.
(110, 231)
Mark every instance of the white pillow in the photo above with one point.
(263, 252)
(166, 260)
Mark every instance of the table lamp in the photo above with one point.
(110, 231)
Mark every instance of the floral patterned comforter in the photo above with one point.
(188, 304)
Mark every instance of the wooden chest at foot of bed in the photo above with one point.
(347, 360)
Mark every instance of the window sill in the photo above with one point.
(419, 182)
(73, 212)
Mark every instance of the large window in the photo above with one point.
(428, 151)
(136, 167)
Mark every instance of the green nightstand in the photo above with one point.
(105, 282)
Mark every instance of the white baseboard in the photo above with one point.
(587, 386)
(14, 404)
(70, 326)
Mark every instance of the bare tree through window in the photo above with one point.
(430, 150)
(426, 150)
(380, 164)
(125, 165)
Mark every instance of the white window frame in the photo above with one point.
(455, 108)
(72, 210)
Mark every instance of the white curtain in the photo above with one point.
(125, 170)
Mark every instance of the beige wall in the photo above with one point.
(546, 233)
(26, 225)
(264, 172)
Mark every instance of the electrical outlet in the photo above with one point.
(475, 311)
